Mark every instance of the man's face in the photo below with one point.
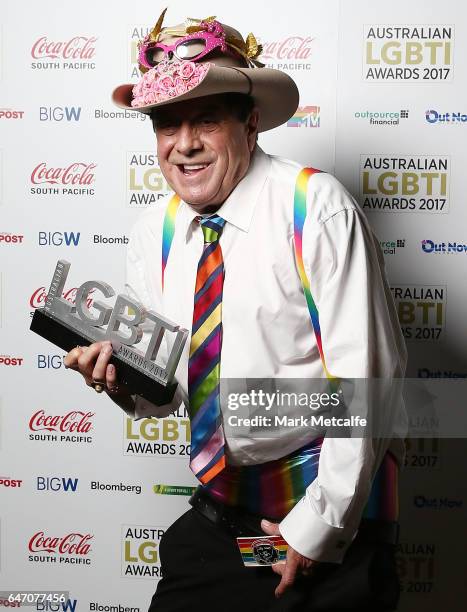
(203, 150)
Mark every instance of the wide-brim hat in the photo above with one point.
(273, 91)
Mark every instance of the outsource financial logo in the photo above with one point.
(382, 117)
(76, 53)
(433, 116)
(449, 248)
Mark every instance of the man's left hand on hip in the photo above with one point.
(294, 565)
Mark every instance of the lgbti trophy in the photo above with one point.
(67, 325)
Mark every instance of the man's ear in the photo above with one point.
(252, 129)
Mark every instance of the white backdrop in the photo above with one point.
(382, 105)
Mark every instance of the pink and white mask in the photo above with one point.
(192, 47)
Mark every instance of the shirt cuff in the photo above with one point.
(313, 538)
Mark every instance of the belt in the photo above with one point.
(238, 522)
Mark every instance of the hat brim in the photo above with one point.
(274, 92)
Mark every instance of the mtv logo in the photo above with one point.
(305, 116)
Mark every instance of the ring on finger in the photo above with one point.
(98, 385)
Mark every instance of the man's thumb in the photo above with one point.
(269, 528)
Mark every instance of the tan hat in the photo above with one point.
(201, 58)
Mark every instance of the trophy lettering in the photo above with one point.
(67, 325)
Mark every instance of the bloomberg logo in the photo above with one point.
(59, 113)
(58, 238)
(55, 483)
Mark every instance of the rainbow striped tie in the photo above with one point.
(207, 457)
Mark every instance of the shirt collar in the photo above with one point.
(239, 206)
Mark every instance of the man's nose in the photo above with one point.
(188, 139)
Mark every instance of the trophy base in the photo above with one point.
(67, 338)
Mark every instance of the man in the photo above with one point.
(247, 279)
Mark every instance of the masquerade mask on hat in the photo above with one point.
(199, 38)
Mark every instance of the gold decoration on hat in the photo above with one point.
(193, 25)
(154, 34)
(253, 49)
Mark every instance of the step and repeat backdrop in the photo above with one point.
(85, 492)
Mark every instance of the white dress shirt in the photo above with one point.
(267, 332)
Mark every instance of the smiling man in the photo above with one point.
(243, 254)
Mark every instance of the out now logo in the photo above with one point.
(73, 548)
(56, 483)
(74, 426)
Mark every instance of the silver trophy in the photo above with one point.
(67, 325)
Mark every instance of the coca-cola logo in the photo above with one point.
(74, 421)
(291, 48)
(78, 47)
(77, 173)
(39, 297)
(70, 544)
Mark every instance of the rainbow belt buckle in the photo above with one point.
(262, 550)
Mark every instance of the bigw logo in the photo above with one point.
(59, 113)
(54, 483)
(65, 606)
(306, 116)
(58, 238)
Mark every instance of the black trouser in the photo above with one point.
(202, 570)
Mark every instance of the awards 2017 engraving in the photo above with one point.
(67, 325)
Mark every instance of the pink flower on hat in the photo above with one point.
(187, 70)
(168, 80)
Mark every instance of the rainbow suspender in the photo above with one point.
(239, 486)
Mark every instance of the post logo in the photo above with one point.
(8, 113)
(145, 184)
(409, 53)
(76, 53)
(167, 437)
(72, 548)
(8, 238)
(404, 183)
(140, 555)
(421, 310)
(306, 116)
